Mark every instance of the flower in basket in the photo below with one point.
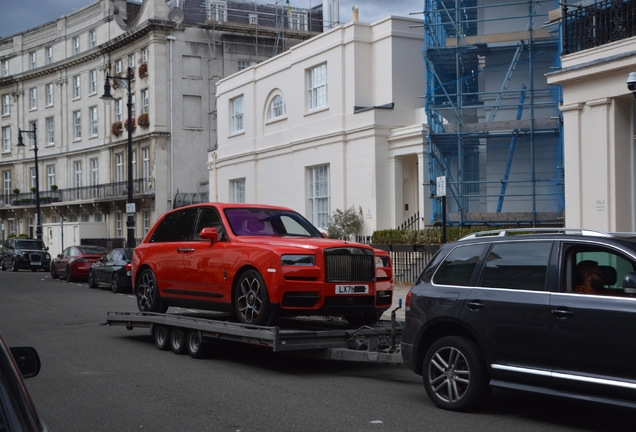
(117, 128)
(143, 69)
(143, 120)
(132, 121)
(115, 84)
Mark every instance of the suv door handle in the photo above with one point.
(562, 313)
(475, 305)
(185, 250)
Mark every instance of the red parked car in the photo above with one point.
(75, 261)
(259, 262)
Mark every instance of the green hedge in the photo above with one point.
(422, 237)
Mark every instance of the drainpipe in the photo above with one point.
(171, 39)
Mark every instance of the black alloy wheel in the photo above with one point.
(251, 299)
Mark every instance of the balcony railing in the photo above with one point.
(102, 192)
(597, 24)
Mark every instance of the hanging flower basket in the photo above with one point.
(115, 85)
(117, 128)
(143, 120)
(143, 70)
(134, 123)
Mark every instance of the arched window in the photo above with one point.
(276, 107)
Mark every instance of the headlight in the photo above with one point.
(47, 256)
(298, 260)
(381, 261)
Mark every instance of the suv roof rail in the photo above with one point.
(508, 231)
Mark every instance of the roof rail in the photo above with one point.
(511, 231)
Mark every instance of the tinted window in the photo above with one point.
(459, 265)
(92, 250)
(29, 244)
(208, 218)
(517, 266)
(175, 227)
(116, 256)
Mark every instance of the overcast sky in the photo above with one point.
(20, 15)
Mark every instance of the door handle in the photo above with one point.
(475, 305)
(562, 313)
(185, 250)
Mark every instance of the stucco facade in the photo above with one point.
(333, 123)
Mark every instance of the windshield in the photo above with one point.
(30, 244)
(93, 250)
(269, 222)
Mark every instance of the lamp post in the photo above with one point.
(130, 205)
(33, 134)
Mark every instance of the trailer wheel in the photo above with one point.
(148, 299)
(196, 348)
(251, 300)
(162, 337)
(178, 341)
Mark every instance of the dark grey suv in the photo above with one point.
(21, 253)
(550, 311)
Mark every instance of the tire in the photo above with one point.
(68, 276)
(196, 348)
(91, 279)
(148, 299)
(455, 375)
(53, 274)
(115, 286)
(162, 337)
(364, 319)
(178, 341)
(251, 300)
(2, 267)
(13, 266)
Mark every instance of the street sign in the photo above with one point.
(441, 186)
(130, 208)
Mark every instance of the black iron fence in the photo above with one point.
(597, 24)
(408, 260)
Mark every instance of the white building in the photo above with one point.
(332, 123)
(52, 77)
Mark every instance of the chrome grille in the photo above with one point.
(349, 264)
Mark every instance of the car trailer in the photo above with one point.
(306, 337)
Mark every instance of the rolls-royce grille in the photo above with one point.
(349, 265)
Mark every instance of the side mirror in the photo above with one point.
(210, 234)
(629, 283)
(27, 360)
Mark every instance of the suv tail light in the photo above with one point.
(407, 302)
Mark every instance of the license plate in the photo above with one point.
(352, 289)
(36, 263)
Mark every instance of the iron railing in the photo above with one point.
(102, 192)
(597, 24)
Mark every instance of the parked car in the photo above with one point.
(75, 261)
(497, 310)
(115, 270)
(21, 253)
(260, 262)
(17, 411)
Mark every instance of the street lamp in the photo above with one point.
(33, 134)
(130, 206)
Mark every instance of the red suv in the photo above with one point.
(259, 262)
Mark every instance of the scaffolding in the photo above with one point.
(494, 126)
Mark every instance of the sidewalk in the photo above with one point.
(400, 290)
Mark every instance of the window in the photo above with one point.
(145, 169)
(118, 67)
(132, 109)
(77, 169)
(119, 166)
(32, 126)
(175, 226)
(131, 60)
(319, 195)
(97, 217)
(276, 108)
(237, 114)
(237, 190)
(6, 139)
(118, 110)
(217, 10)
(144, 101)
(92, 39)
(253, 18)
(50, 176)
(244, 64)
(6, 104)
(33, 60)
(521, 266)
(6, 186)
(77, 87)
(49, 94)
(92, 117)
(134, 164)
(33, 98)
(146, 217)
(317, 87)
(459, 265)
(144, 55)
(85, 217)
(76, 45)
(33, 182)
(298, 21)
(92, 82)
(5, 68)
(48, 51)
(94, 177)
(50, 130)
(77, 125)
(119, 225)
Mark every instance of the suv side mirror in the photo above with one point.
(210, 234)
(27, 360)
(629, 283)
